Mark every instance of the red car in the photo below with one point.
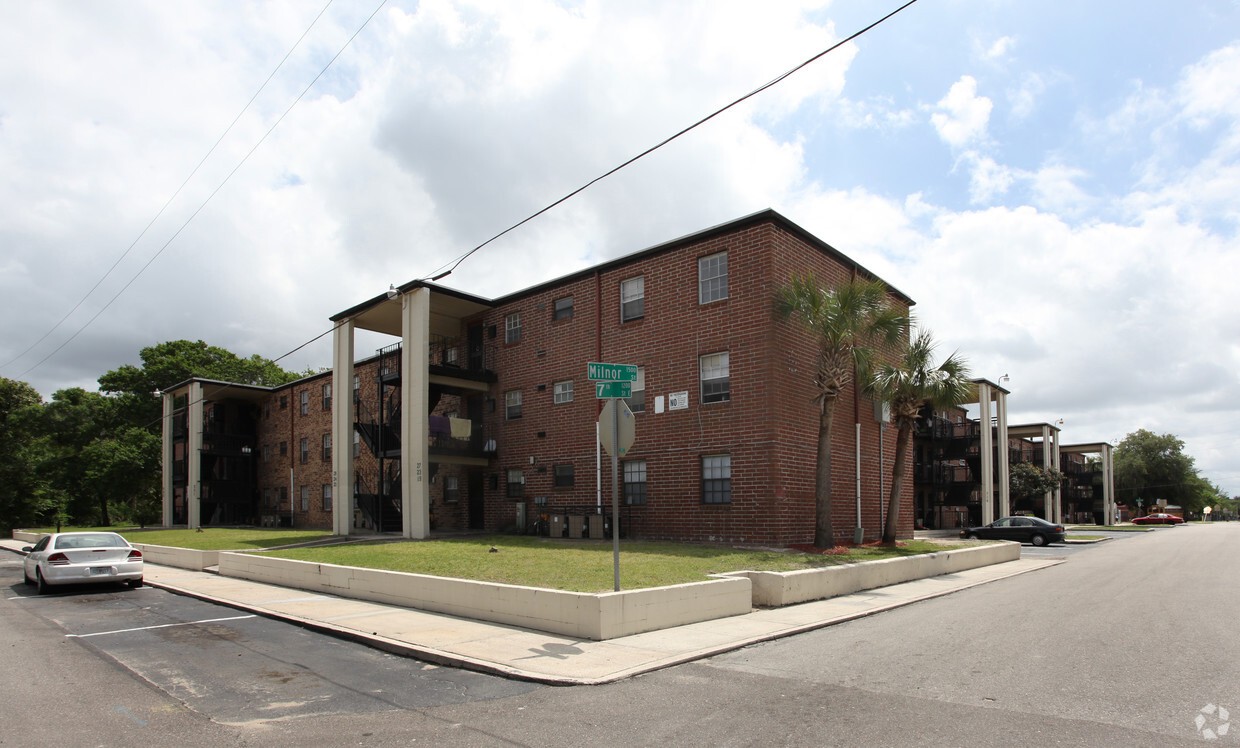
(1159, 519)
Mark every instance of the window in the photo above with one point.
(637, 403)
(563, 392)
(283, 402)
(283, 494)
(716, 386)
(327, 447)
(266, 497)
(305, 402)
(357, 444)
(632, 299)
(357, 387)
(305, 450)
(635, 483)
(449, 356)
(713, 278)
(512, 327)
(451, 489)
(565, 476)
(512, 404)
(327, 498)
(717, 479)
(327, 396)
(516, 484)
(305, 498)
(283, 449)
(563, 308)
(266, 453)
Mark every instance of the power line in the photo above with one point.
(212, 195)
(453, 266)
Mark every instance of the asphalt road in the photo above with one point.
(1123, 644)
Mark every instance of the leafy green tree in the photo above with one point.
(907, 385)
(847, 324)
(1150, 467)
(1028, 483)
(22, 498)
(71, 424)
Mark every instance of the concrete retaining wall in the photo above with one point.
(774, 589)
(588, 616)
(27, 537)
(181, 558)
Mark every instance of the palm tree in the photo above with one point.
(846, 322)
(908, 385)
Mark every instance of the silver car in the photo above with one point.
(82, 557)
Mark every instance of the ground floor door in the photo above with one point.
(477, 501)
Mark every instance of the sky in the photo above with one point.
(1056, 184)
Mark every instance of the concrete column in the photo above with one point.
(986, 448)
(1058, 492)
(1108, 485)
(342, 428)
(415, 417)
(193, 456)
(166, 460)
(1048, 497)
(1005, 481)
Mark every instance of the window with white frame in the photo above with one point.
(717, 479)
(713, 278)
(716, 384)
(635, 483)
(327, 497)
(563, 392)
(327, 396)
(327, 447)
(516, 484)
(357, 387)
(512, 404)
(512, 327)
(632, 299)
(305, 498)
(305, 450)
(305, 402)
(357, 444)
(451, 489)
(637, 403)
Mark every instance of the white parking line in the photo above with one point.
(161, 626)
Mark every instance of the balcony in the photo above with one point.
(457, 358)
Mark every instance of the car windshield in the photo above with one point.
(90, 540)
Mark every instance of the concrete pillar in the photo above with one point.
(342, 428)
(1048, 502)
(1058, 492)
(415, 416)
(167, 460)
(1108, 485)
(193, 456)
(986, 448)
(1004, 480)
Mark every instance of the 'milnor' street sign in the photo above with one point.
(613, 389)
(611, 372)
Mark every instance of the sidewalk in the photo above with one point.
(549, 658)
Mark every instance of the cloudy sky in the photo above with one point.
(1056, 183)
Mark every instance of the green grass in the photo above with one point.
(579, 566)
(1087, 537)
(224, 538)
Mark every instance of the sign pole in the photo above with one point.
(615, 497)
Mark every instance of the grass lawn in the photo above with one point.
(224, 538)
(580, 565)
(1087, 537)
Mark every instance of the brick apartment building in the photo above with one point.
(481, 415)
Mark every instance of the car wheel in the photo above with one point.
(134, 583)
(1038, 540)
(971, 536)
(43, 586)
(26, 577)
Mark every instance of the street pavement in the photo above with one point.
(549, 658)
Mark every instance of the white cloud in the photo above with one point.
(962, 115)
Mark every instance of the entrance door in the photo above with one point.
(477, 501)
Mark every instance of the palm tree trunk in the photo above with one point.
(903, 439)
(824, 533)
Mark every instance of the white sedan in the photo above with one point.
(82, 557)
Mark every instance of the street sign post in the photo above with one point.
(616, 432)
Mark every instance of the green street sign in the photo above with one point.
(613, 389)
(611, 372)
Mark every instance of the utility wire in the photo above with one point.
(213, 192)
(147, 228)
(453, 265)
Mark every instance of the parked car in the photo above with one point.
(1159, 519)
(1023, 529)
(82, 557)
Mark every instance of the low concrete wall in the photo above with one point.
(583, 615)
(27, 537)
(181, 558)
(774, 589)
